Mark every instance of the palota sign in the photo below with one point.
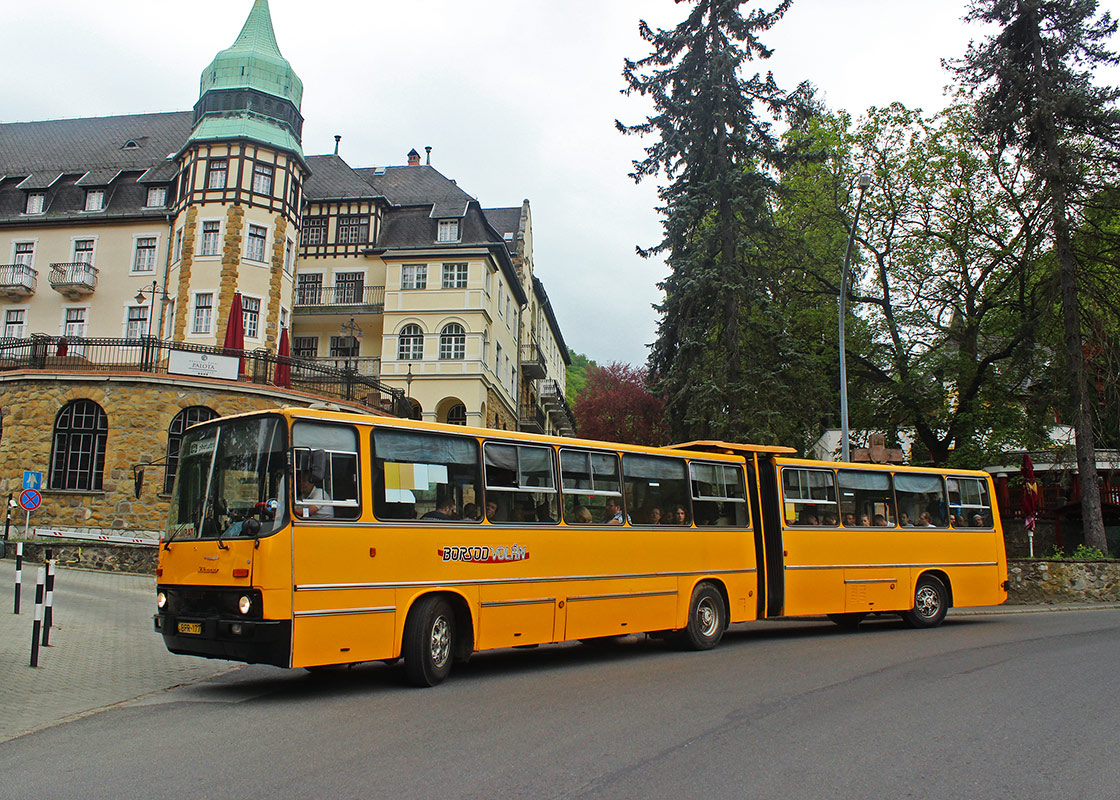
(202, 365)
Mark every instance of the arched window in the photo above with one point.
(192, 415)
(411, 345)
(78, 448)
(457, 414)
(417, 411)
(453, 342)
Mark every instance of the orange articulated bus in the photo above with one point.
(308, 537)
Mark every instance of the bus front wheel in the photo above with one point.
(429, 640)
(707, 618)
(931, 603)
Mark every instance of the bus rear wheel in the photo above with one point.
(429, 641)
(931, 603)
(707, 618)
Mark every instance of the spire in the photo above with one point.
(254, 61)
(239, 90)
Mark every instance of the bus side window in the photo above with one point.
(809, 497)
(969, 503)
(520, 479)
(921, 500)
(866, 497)
(718, 494)
(588, 479)
(659, 482)
(326, 462)
(421, 475)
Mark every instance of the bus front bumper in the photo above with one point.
(251, 641)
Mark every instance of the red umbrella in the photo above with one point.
(235, 330)
(1030, 493)
(283, 375)
(63, 347)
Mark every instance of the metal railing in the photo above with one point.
(312, 297)
(370, 366)
(532, 418)
(532, 360)
(149, 354)
(553, 399)
(76, 275)
(18, 276)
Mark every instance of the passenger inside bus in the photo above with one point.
(445, 509)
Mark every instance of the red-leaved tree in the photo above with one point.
(616, 406)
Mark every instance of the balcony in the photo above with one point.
(532, 361)
(557, 407)
(366, 366)
(532, 419)
(17, 280)
(344, 299)
(73, 279)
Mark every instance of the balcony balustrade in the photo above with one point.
(18, 280)
(345, 298)
(73, 279)
(532, 361)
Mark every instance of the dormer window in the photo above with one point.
(157, 197)
(35, 202)
(448, 230)
(131, 144)
(95, 199)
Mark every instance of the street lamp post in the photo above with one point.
(864, 182)
(353, 332)
(164, 299)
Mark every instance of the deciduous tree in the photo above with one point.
(616, 406)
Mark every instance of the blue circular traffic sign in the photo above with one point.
(29, 499)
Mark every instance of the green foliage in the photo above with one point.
(575, 376)
(717, 152)
(1081, 553)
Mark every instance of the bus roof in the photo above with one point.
(733, 448)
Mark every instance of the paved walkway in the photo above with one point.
(103, 650)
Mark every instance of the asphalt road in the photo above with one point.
(995, 706)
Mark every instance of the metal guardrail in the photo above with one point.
(18, 277)
(149, 354)
(73, 275)
(339, 296)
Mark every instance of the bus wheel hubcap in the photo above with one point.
(441, 641)
(706, 617)
(927, 601)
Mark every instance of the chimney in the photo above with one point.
(337, 139)
(428, 151)
(413, 158)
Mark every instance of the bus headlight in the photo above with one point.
(244, 604)
(161, 600)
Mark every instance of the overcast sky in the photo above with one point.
(517, 99)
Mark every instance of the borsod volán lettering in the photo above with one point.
(484, 554)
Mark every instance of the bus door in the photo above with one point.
(770, 529)
(338, 615)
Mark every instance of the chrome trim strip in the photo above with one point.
(498, 603)
(620, 596)
(872, 580)
(334, 612)
(894, 566)
(318, 587)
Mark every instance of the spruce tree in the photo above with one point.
(717, 150)
(1032, 84)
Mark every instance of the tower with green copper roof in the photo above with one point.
(250, 90)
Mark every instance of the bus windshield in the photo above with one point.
(230, 480)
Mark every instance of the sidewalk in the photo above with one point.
(103, 649)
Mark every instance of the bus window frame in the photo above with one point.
(815, 504)
(592, 492)
(694, 482)
(554, 464)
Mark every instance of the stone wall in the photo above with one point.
(1063, 582)
(91, 555)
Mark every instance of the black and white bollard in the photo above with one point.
(37, 625)
(47, 612)
(19, 574)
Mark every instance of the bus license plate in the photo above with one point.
(191, 627)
